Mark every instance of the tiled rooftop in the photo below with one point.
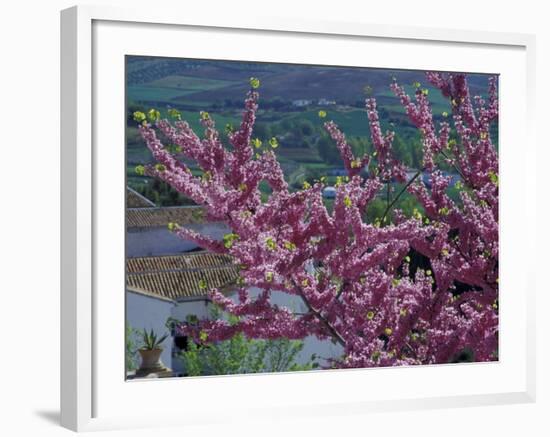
(195, 260)
(160, 217)
(136, 200)
(178, 276)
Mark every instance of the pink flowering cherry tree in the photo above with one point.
(356, 279)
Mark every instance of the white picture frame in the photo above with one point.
(91, 392)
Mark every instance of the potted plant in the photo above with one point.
(150, 352)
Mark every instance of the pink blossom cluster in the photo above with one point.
(470, 253)
(358, 280)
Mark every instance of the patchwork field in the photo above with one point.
(304, 149)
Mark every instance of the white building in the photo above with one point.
(167, 287)
(329, 192)
(163, 273)
(147, 231)
(163, 287)
(300, 103)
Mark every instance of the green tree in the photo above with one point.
(240, 355)
(262, 131)
(360, 145)
(376, 210)
(327, 151)
(403, 151)
(307, 128)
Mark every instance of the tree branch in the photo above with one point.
(394, 201)
(319, 316)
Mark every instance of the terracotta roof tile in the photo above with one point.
(196, 260)
(178, 276)
(136, 200)
(160, 217)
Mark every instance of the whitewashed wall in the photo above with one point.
(156, 241)
(324, 349)
(144, 312)
(184, 308)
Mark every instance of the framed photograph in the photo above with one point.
(291, 218)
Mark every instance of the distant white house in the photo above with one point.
(338, 172)
(326, 102)
(300, 103)
(329, 192)
(410, 172)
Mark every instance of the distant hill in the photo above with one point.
(291, 97)
(223, 80)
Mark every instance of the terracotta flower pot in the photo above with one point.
(150, 359)
(151, 365)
